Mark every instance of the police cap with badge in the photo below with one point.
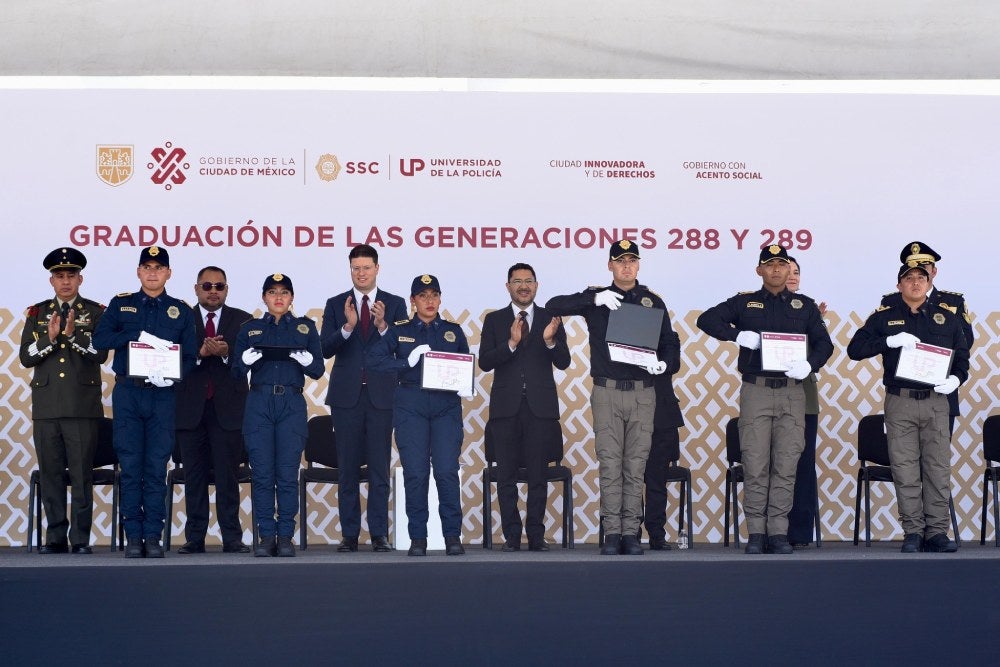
(277, 280)
(424, 282)
(772, 253)
(623, 248)
(916, 253)
(155, 254)
(64, 259)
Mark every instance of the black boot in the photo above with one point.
(153, 548)
(268, 546)
(134, 548)
(453, 546)
(612, 544)
(418, 547)
(630, 546)
(285, 547)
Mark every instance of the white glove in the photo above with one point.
(613, 300)
(154, 342)
(948, 386)
(798, 370)
(160, 381)
(251, 356)
(905, 340)
(304, 357)
(416, 353)
(748, 339)
(465, 393)
(658, 368)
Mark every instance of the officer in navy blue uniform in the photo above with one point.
(428, 422)
(918, 253)
(144, 406)
(278, 350)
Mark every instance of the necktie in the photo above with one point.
(210, 333)
(366, 317)
(65, 316)
(523, 316)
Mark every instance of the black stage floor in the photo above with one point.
(706, 605)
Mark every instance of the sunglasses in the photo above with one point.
(207, 287)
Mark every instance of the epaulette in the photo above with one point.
(401, 322)
(944, 291)
(91, 302)
(654, 294)
(123, 294)
(886, 296)
(749, 291)
(881, 308)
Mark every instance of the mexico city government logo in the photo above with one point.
(168, 168)
(114, 164)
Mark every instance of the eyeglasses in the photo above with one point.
(527, 282)
(207, 287)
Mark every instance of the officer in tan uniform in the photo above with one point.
(65, 399)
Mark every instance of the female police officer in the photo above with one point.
(428, 423)
(278, 350)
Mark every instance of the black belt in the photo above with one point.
(622, 385)
(770, 383)
(134, 382)
(915, 394)
(276, 389)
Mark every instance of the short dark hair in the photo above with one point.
(213, 268)
(520, 266)
(363, 250)
(795, 262)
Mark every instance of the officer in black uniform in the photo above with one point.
(918, 253)
(916, 414)
(278, 350)
(65, 399)
(772, 403)
(144, 406)
(428, 422)
(624, 398)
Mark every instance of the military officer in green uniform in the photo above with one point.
(65, 399)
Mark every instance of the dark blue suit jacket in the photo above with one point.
(345, 380)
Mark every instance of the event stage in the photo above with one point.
(707, 605)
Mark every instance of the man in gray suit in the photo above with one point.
(65, 399)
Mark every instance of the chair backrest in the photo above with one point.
(733, 452)
(321, 445)
(873, 445)
(991, 438)
(553, 444)
(105, 455)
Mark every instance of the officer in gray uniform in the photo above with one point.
(624, 398)
(65, 399)
(919, 253)
(772, 402)
(916, 414)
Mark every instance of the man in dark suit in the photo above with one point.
(65, 399)
(360, 399)
(522, 342)
(209, 418)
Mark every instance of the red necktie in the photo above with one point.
(210, 333)
(523, 316)
(366, 317)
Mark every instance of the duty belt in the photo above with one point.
(276, 389)
(623, 385)
(915, 394)
(770, 383)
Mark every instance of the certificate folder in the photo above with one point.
(635, 326)
(275, 352)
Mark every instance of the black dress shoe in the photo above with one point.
(235, 547)
(82, 549)
(538, 545)
(418, 547)
(630, 546)
(940, 544)
(380, 543)
(612, 544)
(510, 546)
(453, 546)
(755, 544)
(285, 547)
(266, 547)
(778, 544)
(153, 547)
(912, 543)
(54, 548)
(192, 547)
(659, 543)
(135, 548)
(348, 544)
